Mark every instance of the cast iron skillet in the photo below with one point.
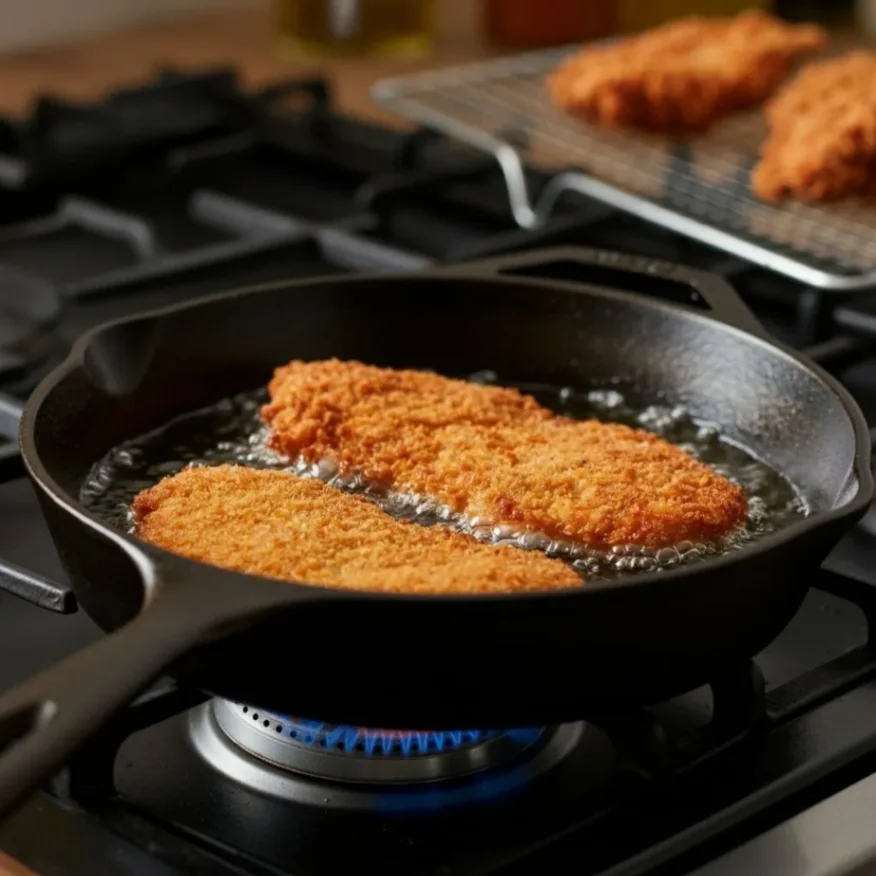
(398, 661)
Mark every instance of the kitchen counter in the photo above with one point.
(9, 867)
(241, 36)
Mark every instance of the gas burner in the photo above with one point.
(343, 753)
(351, 768)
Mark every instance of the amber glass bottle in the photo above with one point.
(525, 24)
(634, 15)
(356, 27)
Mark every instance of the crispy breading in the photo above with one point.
(822, 142)
(496, 454)
(277, 525)
(683, 76)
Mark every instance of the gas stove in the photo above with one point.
(190, 185)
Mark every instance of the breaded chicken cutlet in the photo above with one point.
(683, 76)
(277, 525)
(496, 454)
(822, 141)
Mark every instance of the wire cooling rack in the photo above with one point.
(698, 187)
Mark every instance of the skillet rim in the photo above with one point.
(145, 556)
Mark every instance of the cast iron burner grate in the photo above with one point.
(343, 752)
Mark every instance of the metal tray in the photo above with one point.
(698, 187)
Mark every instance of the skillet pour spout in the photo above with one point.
(568, 317)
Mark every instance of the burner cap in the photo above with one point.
(353, 754)
(267, 760)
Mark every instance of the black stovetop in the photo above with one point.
(189, 185)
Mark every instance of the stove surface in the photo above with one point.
(188, 186)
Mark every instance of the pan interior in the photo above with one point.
(136, 375)
(232, 432)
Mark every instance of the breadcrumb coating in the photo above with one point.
(822, 142)
(682, 76)
(277, 525)
(496, 454)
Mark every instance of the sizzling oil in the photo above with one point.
(231, 432)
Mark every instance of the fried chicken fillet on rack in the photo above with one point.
(277, 525)
(822, 142)
(496, 454)
(683, 76)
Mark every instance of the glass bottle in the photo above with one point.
(356, 27)
(529, 24)
(635, 15)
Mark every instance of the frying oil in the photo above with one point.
(231, 432)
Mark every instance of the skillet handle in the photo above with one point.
(46, 718)
(678, 284)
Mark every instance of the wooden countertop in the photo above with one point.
(241, 36)
(9, 867)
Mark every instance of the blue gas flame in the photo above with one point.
(376, 743)
(489, 786)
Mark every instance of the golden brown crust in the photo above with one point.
(277, 525)
(683, 76)
(497, 454)
(822, 142)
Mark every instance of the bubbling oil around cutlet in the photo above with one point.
(232, 432)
